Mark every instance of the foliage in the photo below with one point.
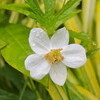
(49, 18)
(15, 82)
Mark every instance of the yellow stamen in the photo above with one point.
(54, 55)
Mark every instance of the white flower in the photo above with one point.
(53, 55)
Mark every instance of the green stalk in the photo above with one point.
(87, 18)
(98, 38)
(72, 78)
(86, 93)
(92, 78)
(62, 92)
(71, 89)
(15, 15)
(23, 90)
(53, 91)
(83, 79)
(56, 92)
(34, 88)
(88, 7)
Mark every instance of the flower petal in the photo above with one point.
(32, 60)
(74, 55)
(39, 41)
(37, 65)
(60, 39)
(58, 73)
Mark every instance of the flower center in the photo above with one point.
(54, 55)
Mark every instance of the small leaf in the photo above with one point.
(35, 7)
(85, 40)
(21, 8)
(69, 6)
(24, 9)
(67, 11)
(91, 52)
(49, 6)
(62, 19)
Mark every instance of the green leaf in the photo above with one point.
(73, 91)
(49, 6)
(91, 52)
(85, 40)
(62, 19)
(24, 9)
(69, 6)
(53, 21)
(17, 49)
(35, 7)
(67, 11)
(37, 13)
(2, 44)
(21, 8)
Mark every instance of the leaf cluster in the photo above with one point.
(50, 19)
(85, 40)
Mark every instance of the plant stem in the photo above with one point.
(23, 90)
(53, 91)
(15, 15)
(62, 92)
(92, 78)
(56, 92)
(34, 89)
(88, 7)
(98, 38)
(72, 78)
(85, 93)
